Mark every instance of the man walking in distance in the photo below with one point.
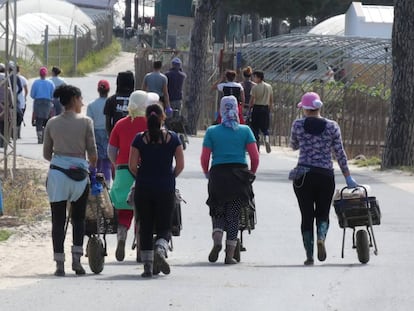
(42, 95)
(261, 103)
(157, 82)
(116, 106)
(176, 78)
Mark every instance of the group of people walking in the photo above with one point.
(123, 136)
(17, 87)
(255, 101)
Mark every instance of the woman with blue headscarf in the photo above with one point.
(226, 144)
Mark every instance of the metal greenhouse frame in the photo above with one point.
(352, 75)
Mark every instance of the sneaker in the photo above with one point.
(268, 149)
(321, 250)
(308, 262)
(120, 250)
(213, 256)
(267, 144)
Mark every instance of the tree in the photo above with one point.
(204, 14)
(399, 144)
(127, 17)
(136, 17)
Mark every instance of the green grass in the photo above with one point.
(374, 161)
(96, 60)
(4, 235)
(26, 196)
(409, 169)
(90, 63)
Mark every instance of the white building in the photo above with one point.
(368, 21)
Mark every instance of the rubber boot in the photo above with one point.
(230, 248)
(39, 137)
(121, 235)
(148, 260)
(60, 263)
(267, 143)
(160, 255)
(217, 246)
(307, 237)
(77, 252)
(322, 230)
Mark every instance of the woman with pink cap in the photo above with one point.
(313, 178)
(42, 95)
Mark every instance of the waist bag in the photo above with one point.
(75, 173)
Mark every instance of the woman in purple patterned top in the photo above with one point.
(316, 138)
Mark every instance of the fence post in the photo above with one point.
(1, 199)
(60, 46)
(46, 46)
(75, 52)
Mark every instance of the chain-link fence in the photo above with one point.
(71, 47)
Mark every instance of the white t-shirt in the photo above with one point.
(22, 95)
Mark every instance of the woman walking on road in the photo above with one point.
(227, 143)
(119, 145)
(68, 139)
(151, 161)
(95, 111)
(316, 137)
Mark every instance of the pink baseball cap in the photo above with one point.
(43, 71)
(310, 101)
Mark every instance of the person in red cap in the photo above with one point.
(95, 112)
(42, 95)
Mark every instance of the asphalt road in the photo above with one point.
(271, 275)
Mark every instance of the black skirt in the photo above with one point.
(227, 183)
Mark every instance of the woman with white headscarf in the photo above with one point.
(120, 141)
(227, 143)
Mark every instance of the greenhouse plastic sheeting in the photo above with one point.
(34, 15)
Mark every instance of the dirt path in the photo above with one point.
(125, 61)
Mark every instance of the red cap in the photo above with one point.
(43, 71)
(103, 85)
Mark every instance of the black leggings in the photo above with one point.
(260, 120)
(314, 192)
(154, 210)
(59, 220)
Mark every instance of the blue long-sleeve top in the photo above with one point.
(316, 138)
(42, 89)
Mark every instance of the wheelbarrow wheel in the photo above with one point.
(236, 255)
(96, 254)
(362, 246)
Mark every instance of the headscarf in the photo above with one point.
(138, 102)
(229, 112)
